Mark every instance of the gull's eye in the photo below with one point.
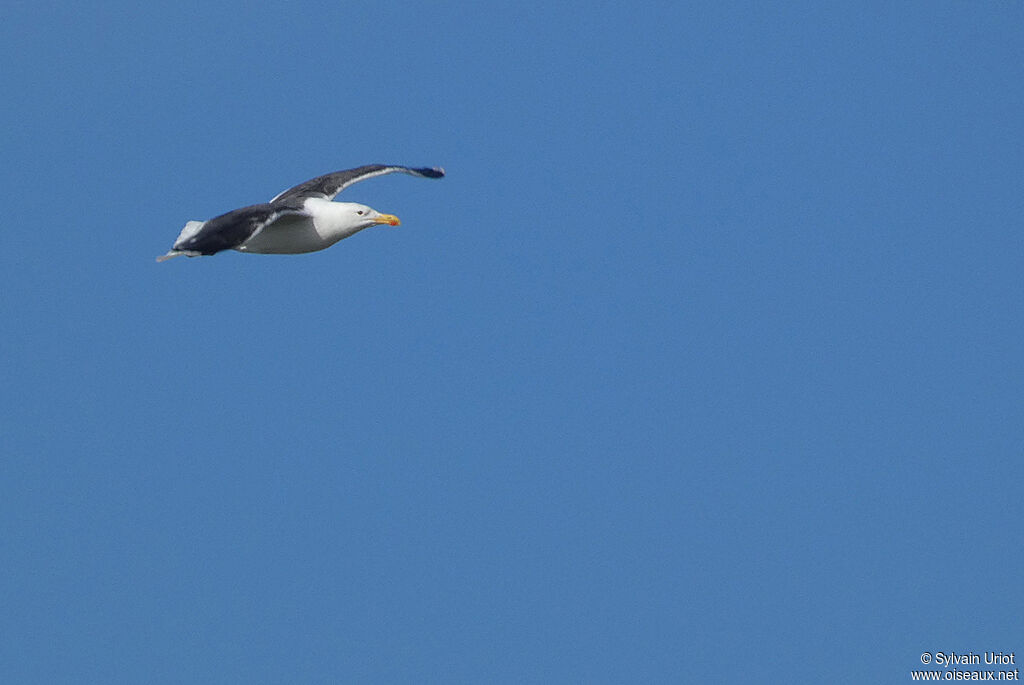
(360, 212)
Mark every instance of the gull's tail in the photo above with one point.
(190, 229)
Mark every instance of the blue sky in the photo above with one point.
(702, 364)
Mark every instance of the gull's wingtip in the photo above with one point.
(431, 171)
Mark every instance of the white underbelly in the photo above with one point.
(288, 235)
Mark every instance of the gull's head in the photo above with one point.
(364, 216)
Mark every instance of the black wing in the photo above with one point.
(230, 230)
(329, 185)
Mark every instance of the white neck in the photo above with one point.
(334, 220)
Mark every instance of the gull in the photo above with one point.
(301, 219)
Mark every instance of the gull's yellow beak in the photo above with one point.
(388, 219)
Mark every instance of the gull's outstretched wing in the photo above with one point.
(329, 185)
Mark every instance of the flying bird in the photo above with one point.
(300, 219)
